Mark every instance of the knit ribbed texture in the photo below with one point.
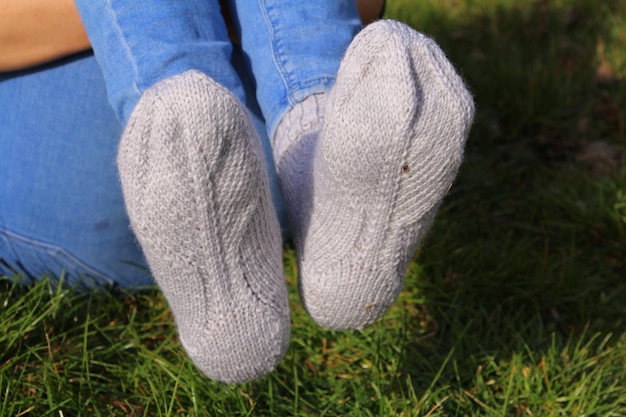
(197, 195)
(364, 187)
(294, 148)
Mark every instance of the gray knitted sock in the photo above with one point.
(364, 184)
(197, 195)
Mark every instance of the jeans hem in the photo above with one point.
(70, 262)
(306, 89)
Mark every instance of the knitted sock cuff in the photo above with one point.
(303, 117)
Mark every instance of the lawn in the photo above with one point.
(515, 304)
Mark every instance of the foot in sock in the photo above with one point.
(363, 182)
(196, 192)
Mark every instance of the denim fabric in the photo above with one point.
(140, 42)
(61, 206)
(293, 48)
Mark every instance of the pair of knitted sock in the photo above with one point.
(363, 170)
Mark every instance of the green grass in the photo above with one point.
(515, 305)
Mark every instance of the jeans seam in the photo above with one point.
(318, 85)
(127, 48)
(63, 253)
(274, 46)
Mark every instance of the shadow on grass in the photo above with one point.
(529, 248)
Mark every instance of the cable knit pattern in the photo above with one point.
(364, 182)
(197, 195)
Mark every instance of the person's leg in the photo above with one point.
(364, 154)
(139, 43)
(61, 206)
(293, 49)
(194, 180)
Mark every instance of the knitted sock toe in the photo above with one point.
(197, 195)
(391, 143)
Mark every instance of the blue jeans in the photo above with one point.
(292, 49)
(61, 207)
